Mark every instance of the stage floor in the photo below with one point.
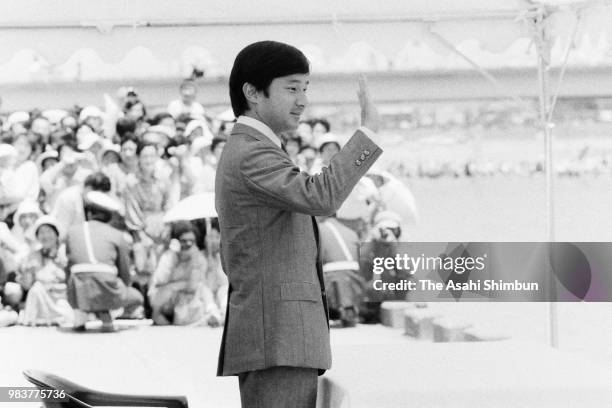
(377, 366)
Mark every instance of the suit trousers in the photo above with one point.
(279, 387)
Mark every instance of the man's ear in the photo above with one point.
(250, 93)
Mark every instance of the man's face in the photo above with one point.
(136, 112)
(69, 122)
(148, 157)
(70, 158)
(27, 220)
(309, 156)
(168, 122)
(188, 94)
(42, 127)
(128, 151)
(47, 237)
(285, 103)
(24, 149)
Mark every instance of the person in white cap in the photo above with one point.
(42, 274)
(15, 123)
(328, 145)
(93, 117)
(99, 264)
(24, 219)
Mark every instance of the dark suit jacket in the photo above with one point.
(276, 314)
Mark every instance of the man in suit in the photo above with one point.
(276, 334)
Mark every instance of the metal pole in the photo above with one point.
(543, 77)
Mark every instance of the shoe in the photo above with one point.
(349, 317)
(108, 328)
(79, 329)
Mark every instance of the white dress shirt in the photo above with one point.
(260, 127)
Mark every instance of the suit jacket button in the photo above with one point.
(358, 162)
(362, 157)
(366, 152)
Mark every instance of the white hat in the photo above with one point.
(102, 201)
(27, 207)
(7, 150)
(90, 111)
(163, 130)
(388, 219)
(54, 115)
(193, 125)
(226, 116)
(47, 220)
(327, 138)
(17, 117)
(86, 138)
(200, 143)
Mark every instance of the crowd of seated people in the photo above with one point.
(146, 161)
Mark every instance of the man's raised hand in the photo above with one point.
(369, 113)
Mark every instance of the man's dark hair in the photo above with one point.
(258, 64)
(125, 125)
(95, 213)
(159, 117)
(181, 227)
(215, 142)
(294, 139)
(98, 182)
(141, 146)
(129, 137)
(129, 104)
(308, 147)
(324, 122)
(69, 143)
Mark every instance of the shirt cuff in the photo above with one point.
(373, 136)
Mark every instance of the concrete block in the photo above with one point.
(449, 329)
(484, 334)
(392, 313)
(7, 317)
(418, 323)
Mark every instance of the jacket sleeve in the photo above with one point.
(276, 181)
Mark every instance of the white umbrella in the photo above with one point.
(192, 208)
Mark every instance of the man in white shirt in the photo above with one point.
(276, 336)
(187, 105)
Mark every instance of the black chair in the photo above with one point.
(82, 397)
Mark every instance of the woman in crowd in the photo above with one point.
(24, 220)
(148, 197)
(178, 278)
(25, 170)
(216, 285)
(42, 274)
